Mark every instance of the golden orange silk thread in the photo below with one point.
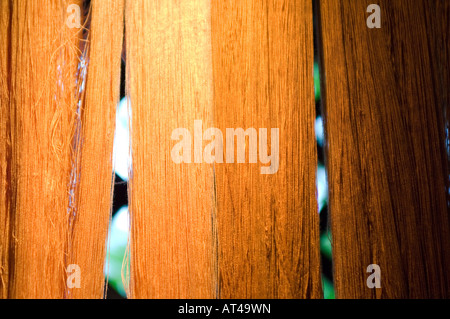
(94, 184)
(268, 225)
(56, 145)
(5, 146)
(248, 235)
(169, 82)
(385, 90)
(43, 63)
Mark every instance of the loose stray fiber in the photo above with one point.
(56, 133)
(93, 194)
(43, 63)
(205, 229)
